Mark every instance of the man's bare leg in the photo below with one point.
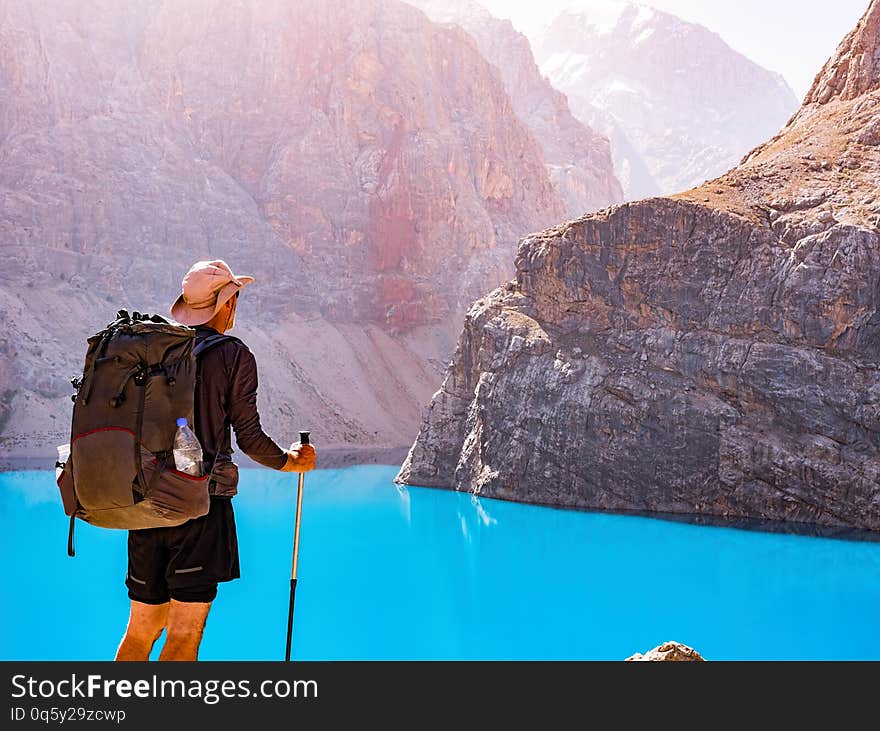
(184, 629)
(145, 623)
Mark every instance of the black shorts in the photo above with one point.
(184, 562)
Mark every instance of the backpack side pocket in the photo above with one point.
(64, 480)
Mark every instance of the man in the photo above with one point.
(173, 572)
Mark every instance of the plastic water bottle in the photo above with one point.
(187, 450)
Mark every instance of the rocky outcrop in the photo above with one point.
(363, 162)
(854, 68)
(714, 352)
(669, 652)
(679, 105)
(578, 159)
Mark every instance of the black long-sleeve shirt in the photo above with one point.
(227, 395)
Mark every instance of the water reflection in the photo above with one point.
(473, 516)
(482, 512)
(405, 503)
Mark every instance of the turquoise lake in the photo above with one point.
(415, 573)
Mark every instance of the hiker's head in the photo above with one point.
(210, 291)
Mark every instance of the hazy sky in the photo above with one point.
(793, 37)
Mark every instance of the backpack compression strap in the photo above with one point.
(71, 551)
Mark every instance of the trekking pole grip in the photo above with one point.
(304, 437)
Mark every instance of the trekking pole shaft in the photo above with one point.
(299, 495)
(299, 504)
(304, 439)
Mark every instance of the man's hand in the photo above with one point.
(300, 458)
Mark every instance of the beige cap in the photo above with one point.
(206, 287)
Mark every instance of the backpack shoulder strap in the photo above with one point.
(209, 342)
(199, 349)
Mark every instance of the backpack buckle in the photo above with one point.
(140, 375)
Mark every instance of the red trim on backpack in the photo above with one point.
(103, 428)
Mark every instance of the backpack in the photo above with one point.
(140, 375)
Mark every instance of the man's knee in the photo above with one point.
(146, 621)
(147, 635)
(184, 635)
(186, 620)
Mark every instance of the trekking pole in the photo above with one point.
(303, 439)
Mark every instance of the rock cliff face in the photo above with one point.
(679, 105)
(578, 159)
(363, 162)
(714, 352)
(380, 147)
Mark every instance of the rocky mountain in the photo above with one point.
(714, 352)
(363, 162)
(578, 159)
(679, 105)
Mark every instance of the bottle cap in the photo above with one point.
(181, 421)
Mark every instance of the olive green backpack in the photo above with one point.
(139, 377)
